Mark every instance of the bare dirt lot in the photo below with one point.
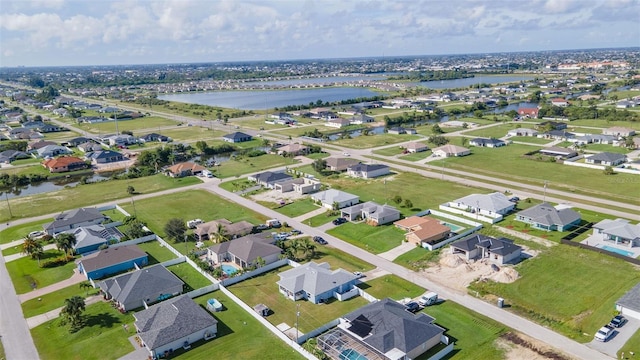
(276, 196)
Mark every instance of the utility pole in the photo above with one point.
(6, 197)
(544, 197)
(297, 320)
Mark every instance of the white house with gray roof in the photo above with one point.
(371, 212)
(489, 205)
(245, 251)
(619, 231)
(332, 196)
(172, 324)
(315, 282)
(141, 287)
(629, 303)
(606, 159)
(368, 171)
(549, 218)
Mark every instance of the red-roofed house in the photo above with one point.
(530, 112)
(64, 164)
(184, 169)
(423, 229)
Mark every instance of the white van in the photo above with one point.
(427, 299)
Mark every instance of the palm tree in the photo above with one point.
(220, 235)
(86, 285)
(65, 242)
(33, 248)
(72, 311)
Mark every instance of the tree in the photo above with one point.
(33, 248)
(319, 165)
(175, 229)
(465, 141)
(436, 129)
(608, 170)
(408, 204)
(220, 235)
(72, 312)
(135, 229)
(397, 199)
(465, 125)
(438, 140)
(260, 262)
(131, 190)
(202, 146)
(65, 242)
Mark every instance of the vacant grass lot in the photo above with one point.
(25, 271)
(417, 156)
(339, 259)
(497, 131)
(604, 123)
(319, 155)
(297, 208)
(529, 139)
(608, 148)
(369, 141)
(86, 195)
(191, 277)
(20, 231)
(417, 259)
(320, 219)
(103, 325)
(473, 334)
(391, 286)
(263, 289)
(149, 122)
(390, 151)
(257, 123)
(376, 239)
(157, 253)
(571, 290)
(251, 165)
(507, 162)
(240, 336)
(189, 205)
(187, 133)
(54, 300)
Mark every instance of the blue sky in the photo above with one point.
(90, 32)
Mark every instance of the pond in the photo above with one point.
(51, 185)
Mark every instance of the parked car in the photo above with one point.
(346, 154)
(358, 274)
(604, 333)
(261, 227)
(412, 306)
(339, 221)
(428, 299)
(320, 240)
(296, 232)
(617, 321)
(514, 199)
(36, 234)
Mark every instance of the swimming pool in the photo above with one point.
(228, 269)
(616, 250)
(453, 227)
(350, 354)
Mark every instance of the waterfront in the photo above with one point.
(479, 79)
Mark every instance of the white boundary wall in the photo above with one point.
(470, 215)
(258, 271)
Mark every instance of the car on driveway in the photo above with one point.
(339, 221)
(604, 333)
(617, 321)
(36, 234)
(296, 232)
(320, 240)
(358, 274)
(412, 306)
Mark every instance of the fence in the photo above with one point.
(135, 241)
(346, 295)
(444, 352)
(471, 215)
(366, 295)
(453, 217)
(175, 261)
(451, 239)
(258, 271)
(203, 290)
(317, 331)
(601, 167)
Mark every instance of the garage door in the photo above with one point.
(630, 313)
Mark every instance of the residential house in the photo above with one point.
(522, 132)
(361, 119)
(90, 238)
(484, 142)
(340, 164)
(629, 304)
(552, 125)
(528, 112)
(232, 230)
(548, 218)
(64, 164)
(559, 102)
(73, 219)
(415, 147)
(89, 146)
(484, 204)
(184, 169)
(111, 261)
(314, 282)
(61, 112)
(303, 185)
(558, 152)
(478, 246)
(173, 324)
(237, 137)
(24, 134)
(141, 287)
(50, 151)
(268, 179)
(78, 140)
(594, 139)
(372, 213)
(154, 137)
(423, 229)
(105, 156)
(606, 159)
(450, 150)
(399, 130)
(368, 171)
(293, 149)
(9, 156)
(337, 123)
(121, 140)
(619, 231)
(332, 197)
(619, 131)
(557, 134)
(384, 330)
(245, 251)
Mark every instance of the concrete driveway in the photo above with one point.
(618, 339)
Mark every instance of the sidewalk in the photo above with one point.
(76, 278)
(43, 318)
(398, 250)
(21, 255)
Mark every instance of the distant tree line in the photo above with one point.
(592, 112)
(320, 103)
(433, 75)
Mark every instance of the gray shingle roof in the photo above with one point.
(386, 325)
(546, 214)
(247, 248)
(619, 227)
(495, 202)
(270, 177)
(171, 320)
(140, 284)
(631, 299)
(500, 246)
(332, 195)
(367, 167)
(608, 157)
(72, 217)
(94, 234)
(314, 278)
(111, 256)
(237, 136)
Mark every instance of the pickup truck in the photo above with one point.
(604, 333)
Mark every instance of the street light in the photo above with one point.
(6, 197)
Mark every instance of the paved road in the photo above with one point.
(511, 320)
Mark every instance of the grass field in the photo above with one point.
(157, 253)
(103, 325)
(417, 259)
(632, 345)
(390, 151)
(604, 123)
(608, 148)
(320, 219)
(529, 139)
(376, 239)
(25, 271)
(417, 156)
(365, 142)
(54, 300)
(20, 231)
(319, 155)
(339, 259)
(148, 123)
(187, 133)
(297, 208)
(257, 123)
(263, 289)
(250, 165)
(391, 286)
(191, 277)
(575, 298)
(497, 131)
(507, 162)
(84, 195)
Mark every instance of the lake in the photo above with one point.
(258, 100)
(466, 82)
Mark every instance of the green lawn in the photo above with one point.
(607, 148)
(417, 259)
(263, 289)
(12, 250)
(507, 162)
(240, 336)
(157, 253)
(251, 164)
(391, 286)
(602, 123)
(571, 290)
(33, 168)
(189, 205)
(25, 271)
(54, 300)
(258, 123)
(148, 123)
(339, 259)
(529, 139)
(236, 185)
(297, 208)
(103, 325)
(497, 131)
(20, 231)
(320, 219)
(390, 151)
(192, 278)
(474, 334)
(319, 155)
(190, 133)
(369, 141)
(376, 239)
(416, 156)
(85, 195)
(633, 344)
